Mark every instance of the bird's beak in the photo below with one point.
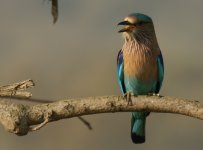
(125, 23)
(128, 26)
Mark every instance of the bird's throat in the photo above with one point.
(140, 60)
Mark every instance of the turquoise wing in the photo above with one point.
(120, 73)
(160, 78)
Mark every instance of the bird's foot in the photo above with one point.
(154, 94)
(127, 96)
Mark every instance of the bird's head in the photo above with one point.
(135, 24)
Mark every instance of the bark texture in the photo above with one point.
(21, 119)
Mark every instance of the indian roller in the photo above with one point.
(140, 66)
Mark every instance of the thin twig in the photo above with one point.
(85, 122)
(46, 120)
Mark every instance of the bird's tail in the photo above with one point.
(138, 127)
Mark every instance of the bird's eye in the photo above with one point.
(140, 23)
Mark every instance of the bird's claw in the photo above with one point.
(127, 96)
(154, 94)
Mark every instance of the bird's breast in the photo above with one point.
(140, 65)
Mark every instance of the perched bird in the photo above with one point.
(140, 66)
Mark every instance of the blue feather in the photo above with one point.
(140, 76)
(160, 64)
(120, 67)
(132, 84)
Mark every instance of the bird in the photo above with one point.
(140, 66)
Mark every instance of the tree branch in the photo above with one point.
(17, 89)
(19, 118)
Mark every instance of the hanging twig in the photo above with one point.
(54, 10)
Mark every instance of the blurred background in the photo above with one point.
(76, 57)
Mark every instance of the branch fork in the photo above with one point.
(21, 119)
